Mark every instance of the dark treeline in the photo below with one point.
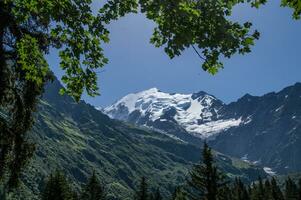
(205, 182)
(57, 187)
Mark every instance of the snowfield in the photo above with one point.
(197, 113)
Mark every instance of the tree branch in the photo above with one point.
(196, 51)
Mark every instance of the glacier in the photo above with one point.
(197, 113)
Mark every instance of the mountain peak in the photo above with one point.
(198, 94)
(151, 90)
(247, 97)
(195, 113)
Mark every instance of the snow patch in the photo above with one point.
(269, 171)
(248, 120)
(256, 162)
(99, 108)
(212, 128)
(279, 108)
(245, 158)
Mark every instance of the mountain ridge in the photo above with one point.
(187, 110)
(271, 117)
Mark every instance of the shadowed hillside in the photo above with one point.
(77, 138)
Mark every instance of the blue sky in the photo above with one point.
(136, 65)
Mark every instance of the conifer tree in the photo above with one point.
(206, 181)
(299, 189)
(257, 191)
(156, 195)
(227, 193)
(57, 188)
(255, 194)
(291, 190)
(267, 190)
(142, 192)
(276, 192)
(261, 189)
(253, 191)
(246, 194)
(239, 190)
(93, 190)
(178, 194)
(75, 196)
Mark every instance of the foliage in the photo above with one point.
(183, 24)
(28, 28)
(93, 190)
(156, 195)
(261, 190)
(205, 178)
(207, 183)
(57, 188)
(179, 194)
(240, 192)
(142, 192)
(264, 190)
(291, 189)
(295, 5)
(276, 192)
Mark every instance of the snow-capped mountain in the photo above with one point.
(261, 129)
(198, 114)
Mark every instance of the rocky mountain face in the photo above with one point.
(264, 130)
(272, 135)
(78, 139)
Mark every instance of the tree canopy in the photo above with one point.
(206, 180)
(93, 190)
(142, 192)
(57, 188)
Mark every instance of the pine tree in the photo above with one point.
(57, 188)
(276, 191)
(261, 189)
(291, 190)
(93, 190)
(253, 192)
(178, 194)
(267, 190)
(239, 190)
(75, 196)
(142, 193)
(257, 191)
(299, 189)
(206, 181)
(226, 193)
(156, 195)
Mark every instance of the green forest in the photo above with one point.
(204, 181)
